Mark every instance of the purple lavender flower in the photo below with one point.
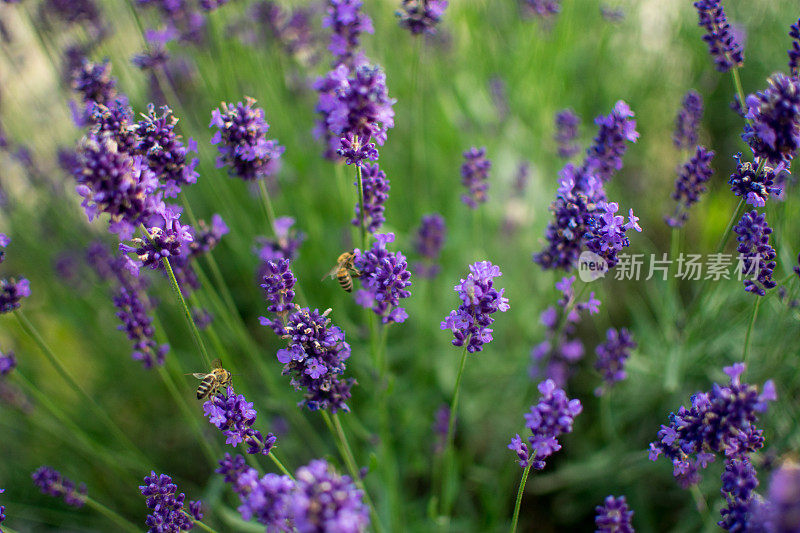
(11, 292)
(428, 243)
(265, 499)
(156, 55)
(165, 152)
(722, 44)
(182, 16)
(138, 326)
(376, 192)
(421, 16)
(167, 504)
(739, 483)
(755, 188)
(522, 178)
(211, 5)
(94, 82)
(2, 509)
(780, 513)
(756, 255)
(688, 121)
(232, 414)
(278, 288)
(544, 9)
(612, 355)
(207, 237)
(721, 421)
(614, 516)
(52, 483)
(114, 120)
(604, 157)
(441, 423)
(690, 184)
(384, 277)
(167, 239)
(474, 176)
(794, 51)
(325, 501)
(606, 232)
(773, 130)
(479, 300)
(567, 123)
(285, 243)
(202, 317)
(243, 143)
(115, 183)
(520, 447)
(550, 418)
(315, 358)
(7, 363)
(4, 242)
(356, 152)
(347, 22)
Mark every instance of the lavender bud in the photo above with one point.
(474, 176)
(722, 44)
(614, 516)
(688, 121)
(52, 483)
(167, 505)
(756, 254)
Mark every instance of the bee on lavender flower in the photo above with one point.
(344, 270)
(211, 382)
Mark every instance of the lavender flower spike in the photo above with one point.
(347, 23)
(2, 509)
(265, 499)
(232, 414)
(474, 176)
(242, 139)
(781, 510)
(612, 355)
(385, 278)
(774, 114)
(756, 255)
(614, 516)
(722, 45)
(739, 482)
(8, 362)
(325, 501)
(51, 482)
(604, 157)
(690, 184)
(428, 243)
(167, 505)
(567, 123)
(688, 121)
(756, 188)
(794, 51)
(12, 291)
(421, 16)
(376, 192)
(479, 300)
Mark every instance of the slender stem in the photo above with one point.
(521, 490)
(736, 213)
(335, 427)
(361, 215)
(451, 422)
(115, 517)
(279, 464)
(186, 312)
(737, 83)
(746, 349)
(203, 526)
(34, 334)
(266, 204)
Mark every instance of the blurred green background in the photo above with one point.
(445, 104)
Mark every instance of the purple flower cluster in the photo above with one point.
(604, 157)
(284, 245)
(721, 421)
(773, 130)
(207, 237)
(376, 192)
(567, 123)
(138, 326)
(554, 357)
(293, 30)
(278, 288)
(421, 16)
(757, 256)
(167, 239)
(739, 482)
(8, 362)
(4, 242)
(522, 178)
(356, 151)
(475, 176)
(156, 56)
(781, 511)
(550, 418)
(794, 51)
(542, 8)
(2, 508)
(232, 414)
(11, 292)
(428, 243)
(167, 504)
(347, 22)
(479, 301)
(94, 82)
(722, 44)
(756, 188)
(317, 500)
(687, 121)
(690, 184)
(242, 139)
(614, 516)
(52, 483)
(384, 278)
(164, 150)
(181, 17)
(606, 232)
(612, 355)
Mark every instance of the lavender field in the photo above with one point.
(399, 265)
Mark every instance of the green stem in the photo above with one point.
(520, 492)
(186, 311)
(736, 213)
(34, 334)
(202, 526)
(115, 517)
(279, 464)
(746, 349)
(737, 83)
(362, 216)
(335, 427)
(266, 204)
(451, 422)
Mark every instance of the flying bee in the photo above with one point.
(344, 270)
(210, 383)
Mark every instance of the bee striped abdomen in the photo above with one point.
(344, 279)
(205, 386)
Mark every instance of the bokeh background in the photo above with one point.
(490, 77)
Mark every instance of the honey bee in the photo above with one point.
(210, 383)
(344, 270)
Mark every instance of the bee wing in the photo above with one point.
(332, 272)
(216, 363)
(200, 375)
